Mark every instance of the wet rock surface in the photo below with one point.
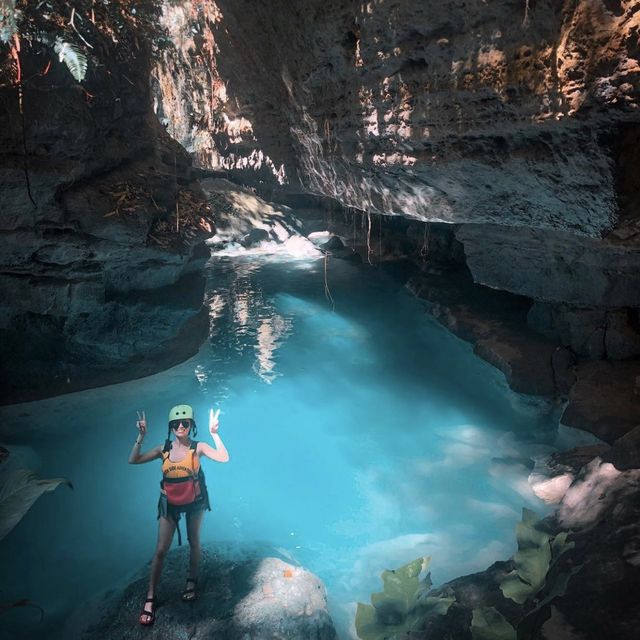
(518, 120)
(243, 592)
(494, 322)
(589, 592)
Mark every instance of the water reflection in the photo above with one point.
(245, 329)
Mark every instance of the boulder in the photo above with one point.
(244, 217)
(243, 593)
(555, 266)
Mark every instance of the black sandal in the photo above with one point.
(151, 615)
(190, 594)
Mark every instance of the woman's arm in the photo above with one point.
(220, 453)
(135, 457)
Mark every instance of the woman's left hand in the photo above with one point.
(213, 421)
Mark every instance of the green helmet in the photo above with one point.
(181, 412)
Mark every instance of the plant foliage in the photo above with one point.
(19, 489)
(8, 22)
(537, 551)
(487, 623)
(402, 607)
(75, 60)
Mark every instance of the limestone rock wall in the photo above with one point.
(519, 119)
(460, 111)
(100, 216)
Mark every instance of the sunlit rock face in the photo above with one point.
(518, 117)
(450, 111)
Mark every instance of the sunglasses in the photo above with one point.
(175, 424)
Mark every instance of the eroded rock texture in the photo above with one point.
(454, 111)
(518, 120)
(99, 214)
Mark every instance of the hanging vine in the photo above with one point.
(15, 55)
(424, 250)
(327, 291)
(369, 251)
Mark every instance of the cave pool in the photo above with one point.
(360, 438)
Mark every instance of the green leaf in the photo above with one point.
(403, 605)
(401, 588)
(529, 517)
(532, 565)
(559, 586)
(432, 606)
(514, 588)
(560, 545)
(18, 491)
(369, 628)
(75, 60)
(528, 536)
(532, 560)
(489, 624)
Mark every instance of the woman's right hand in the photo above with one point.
(141, 423)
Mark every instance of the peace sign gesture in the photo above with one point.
(213, 421)
(141, 423)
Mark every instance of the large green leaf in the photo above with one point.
(488, 623)
(532, 565)
(403, 605)
(431, 606)
(368, 626)
(560, 545)
(19, 489)
(512, 587)
(537, 551)
(401, 588)
(532, 560)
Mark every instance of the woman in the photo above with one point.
(183, 490)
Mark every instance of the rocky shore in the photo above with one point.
(243, 592)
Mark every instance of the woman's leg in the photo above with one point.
(194, 522)
(166, 529)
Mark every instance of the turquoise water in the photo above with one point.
(360, 438)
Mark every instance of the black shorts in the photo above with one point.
(173, 512)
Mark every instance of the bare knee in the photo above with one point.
(194, 543)
(161, 551)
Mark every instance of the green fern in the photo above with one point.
(8, 23)
(75, 60)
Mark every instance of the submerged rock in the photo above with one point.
(242, 593)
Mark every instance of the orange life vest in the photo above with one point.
(182, 482)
